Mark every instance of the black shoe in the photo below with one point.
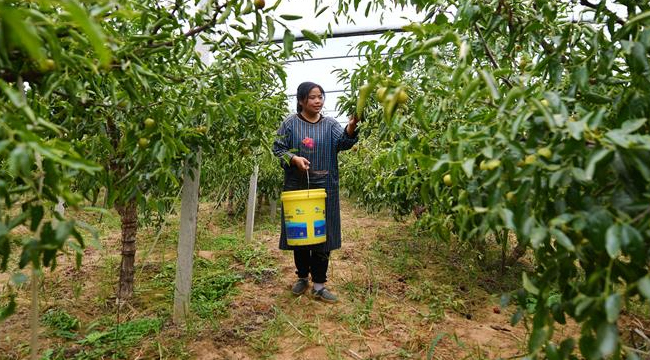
(300, 286)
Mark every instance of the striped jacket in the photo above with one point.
(319, 143)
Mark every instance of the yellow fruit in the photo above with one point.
(381, 93)
(259, 4)
(510, 195)
(530, 159)
(545, 152)
(402, 96)
(149, 123)
(49, 65)
(202, 129)
(447, 180)
(493, 164)
(544, 102)
(482, 165)
(143, 142)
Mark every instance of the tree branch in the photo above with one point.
(194, 31)
(488, 52)
(609, 12)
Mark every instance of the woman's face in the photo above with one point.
(314, 102)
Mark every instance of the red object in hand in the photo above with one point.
(308, 142)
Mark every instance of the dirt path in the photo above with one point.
(377, 316)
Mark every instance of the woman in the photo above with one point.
(309, 142)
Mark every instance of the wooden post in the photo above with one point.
(250, 207)
(186, 240)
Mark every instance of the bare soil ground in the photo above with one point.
(400, 297)
(374, 319)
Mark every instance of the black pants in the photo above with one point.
(314, 262)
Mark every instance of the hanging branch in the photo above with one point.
(194, 31)
(488, 52)
(609, 12)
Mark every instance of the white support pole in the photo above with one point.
(186, 240)
(60, 206)
(250, 207)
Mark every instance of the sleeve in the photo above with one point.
(283, 144)
(343, 140)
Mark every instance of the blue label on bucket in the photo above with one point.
(319, 228)
(296, 230)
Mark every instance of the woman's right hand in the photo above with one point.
(300, 162)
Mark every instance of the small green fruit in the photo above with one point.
(259, 4)
(49, 65)
(544, 102)
(149, 123)
(545, 152)
(402, 96)
(530, 159)
(381, 93)
(493, 164)
(143, 142)
(510, 196)
(447, 180)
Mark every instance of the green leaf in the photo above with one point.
(507, 217)
(90, 28)
(537, 236)
(589, 347)
(26, 35)
(20, 162)
(643, 285)
(528, 285)
(613, 307)
(594, 158)
(288, 42)
(19, 278)
(434, 343)
(6, 311)
(613, 241)
(468, 167)
(631, 126)
(607, 339)
(36, 213)
(270, 27)
(290, 17)
(311, 37)
(17, 100)
(562, 239)
(491, 84)
(538, 337)
(321, 11)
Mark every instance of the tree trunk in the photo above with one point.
(516, 254)
(129, 218)
(186, 240)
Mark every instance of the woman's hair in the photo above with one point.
(303, 92)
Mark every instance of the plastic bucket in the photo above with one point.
(304, 216)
